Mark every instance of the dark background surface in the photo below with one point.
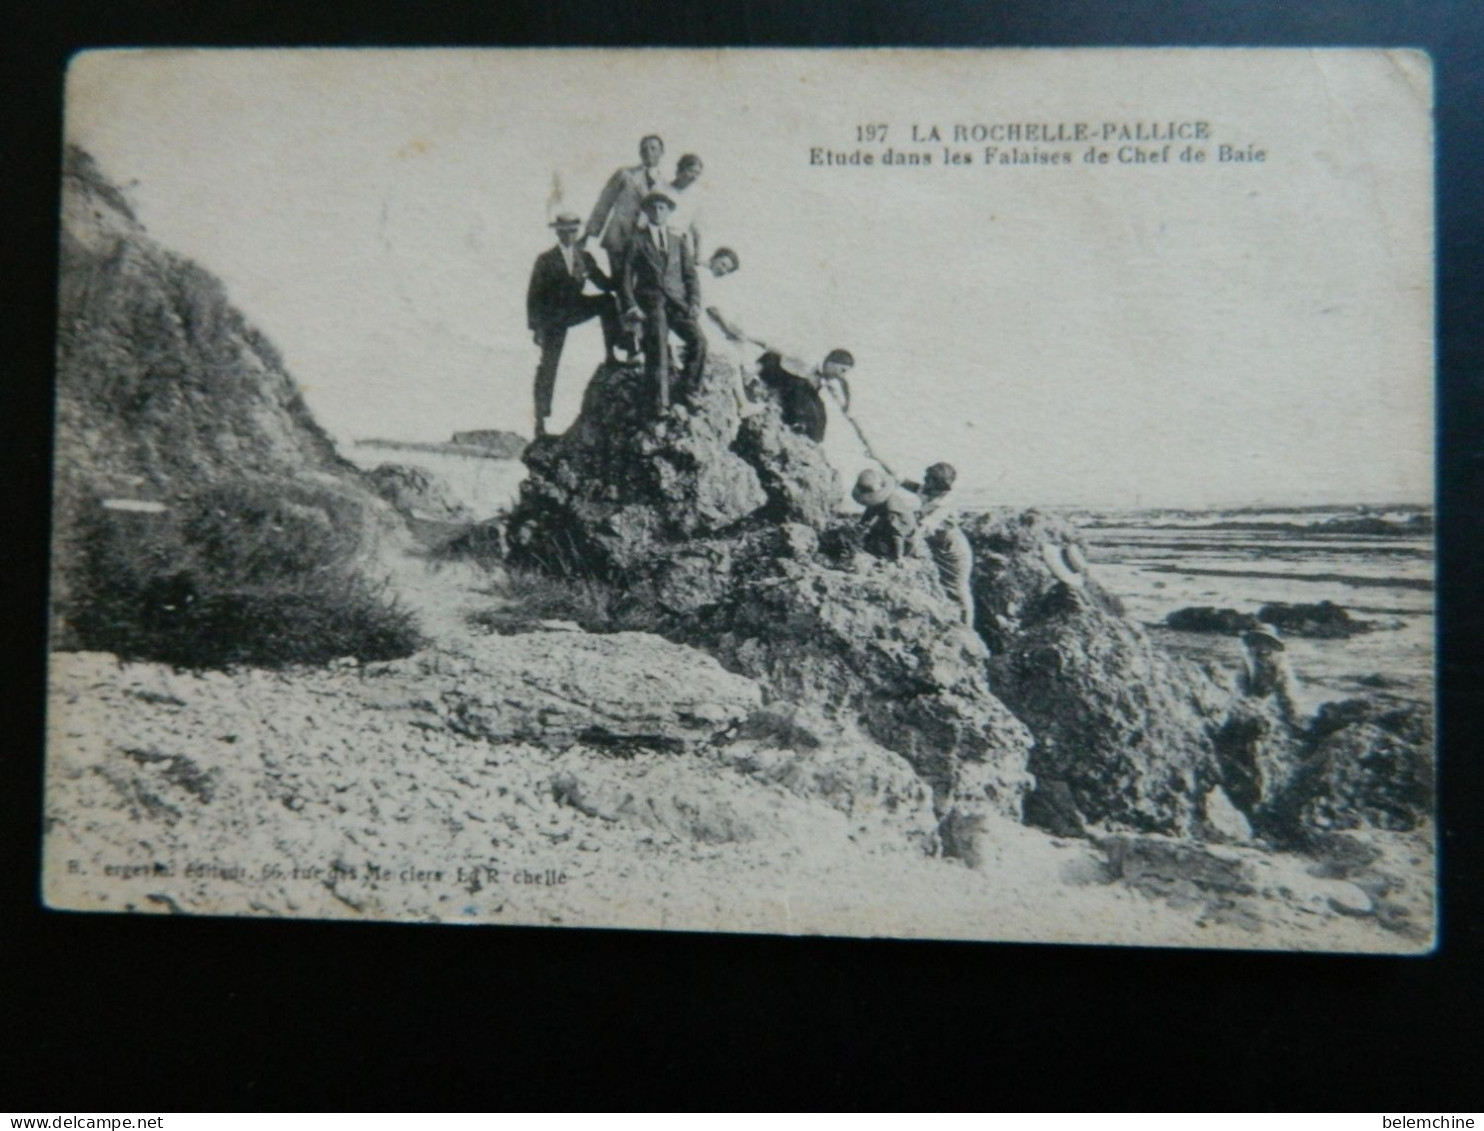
(117, 1013)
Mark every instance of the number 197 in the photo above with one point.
(870, 133)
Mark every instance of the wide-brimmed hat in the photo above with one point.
(566, 220)
(651, 197)
(1265, 638)
(872, 488)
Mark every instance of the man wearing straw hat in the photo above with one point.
(555, 302)
(1266, 673)
(890, 515)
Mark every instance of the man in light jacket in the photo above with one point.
(616, 215)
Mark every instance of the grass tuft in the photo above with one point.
(245, 572)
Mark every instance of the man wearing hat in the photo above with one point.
(555, 302)
(660, 289)
(616, 214)
(1266, 673)
(890, 515)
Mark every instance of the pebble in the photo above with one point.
(1348, 899)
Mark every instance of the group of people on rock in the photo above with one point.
(649, 229)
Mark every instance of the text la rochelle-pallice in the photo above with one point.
(1063, 131)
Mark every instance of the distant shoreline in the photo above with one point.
(443, 448)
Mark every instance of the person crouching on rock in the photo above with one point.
(890, 516)
(555, 302)
(938, 530)
(799, 388)
(660, 289)
(794, 384)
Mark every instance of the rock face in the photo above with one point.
(621, 690)
(710, 525)
(1206, 618)
(416, 493)
(621, 486)
(877, 643)
(1122, 729)
(724, 532)
(1325, 620)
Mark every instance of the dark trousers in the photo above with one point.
(554, 337)
(662, 317)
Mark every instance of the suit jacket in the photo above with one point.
(554, 290)
(648, 273)
(616, 215)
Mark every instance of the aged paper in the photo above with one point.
(948, 494)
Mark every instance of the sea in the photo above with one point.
(1375, 560)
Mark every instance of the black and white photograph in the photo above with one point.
(961, 494)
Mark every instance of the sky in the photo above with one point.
(1126, 333)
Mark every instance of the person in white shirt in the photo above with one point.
(938, 531)
(685, 220)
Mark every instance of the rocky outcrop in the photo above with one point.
(709, 526)
(723, 532)
(496, 443)
(618, 691)
(878, 644)
(1324, 620)
(1360, 763)
(621, 486)
(417, 493)
(1122, 730)
(1206, 618)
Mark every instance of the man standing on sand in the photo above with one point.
(659, 288)
(555, 302)
(616, 214)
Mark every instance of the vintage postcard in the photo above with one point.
(925, 494)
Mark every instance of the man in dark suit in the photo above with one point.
(659, 287)
(555, 302)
